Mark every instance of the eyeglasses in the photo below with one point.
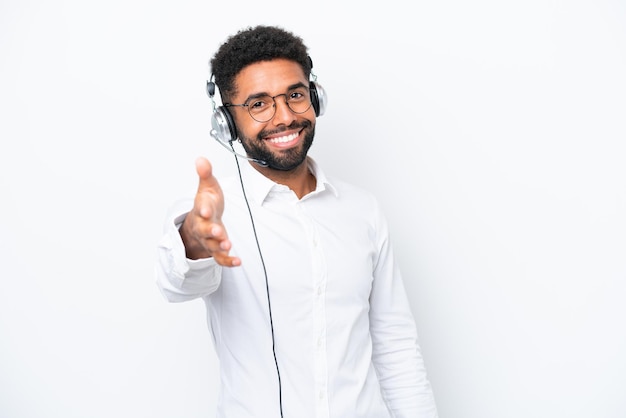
(263, 108)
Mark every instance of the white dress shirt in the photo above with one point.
(345, 339)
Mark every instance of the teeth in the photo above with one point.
(281, 139)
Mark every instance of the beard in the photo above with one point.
(286, 160)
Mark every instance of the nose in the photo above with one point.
(283, 114)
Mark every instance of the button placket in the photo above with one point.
(318, 275)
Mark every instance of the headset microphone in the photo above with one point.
(230, 149)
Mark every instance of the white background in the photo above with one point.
(493, 133)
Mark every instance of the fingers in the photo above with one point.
(226, 260)
(219, 246)
(213, 237)
(205, 239)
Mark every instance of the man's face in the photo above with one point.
(284, 140)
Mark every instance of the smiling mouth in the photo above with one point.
(284, 139)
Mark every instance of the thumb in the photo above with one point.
(206, 180)
(209, 201)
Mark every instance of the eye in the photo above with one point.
(260, 103)
(297, 95)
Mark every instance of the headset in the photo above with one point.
(223, 127)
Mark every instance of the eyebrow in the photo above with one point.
(261, 94)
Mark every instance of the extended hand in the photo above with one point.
(203, 232)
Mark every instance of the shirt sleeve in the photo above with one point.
(396, 353)
(178, 278)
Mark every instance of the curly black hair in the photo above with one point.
(251, 45)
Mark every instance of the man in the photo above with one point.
(306, 307)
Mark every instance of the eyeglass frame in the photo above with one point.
(257, 96)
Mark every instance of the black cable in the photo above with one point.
(267, 286)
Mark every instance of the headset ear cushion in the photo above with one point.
(318, 98)
(314, 99)
(210, 89)
(223, 124)
(232, 128)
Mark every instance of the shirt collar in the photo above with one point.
(258, 187)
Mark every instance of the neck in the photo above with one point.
(300, 180)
